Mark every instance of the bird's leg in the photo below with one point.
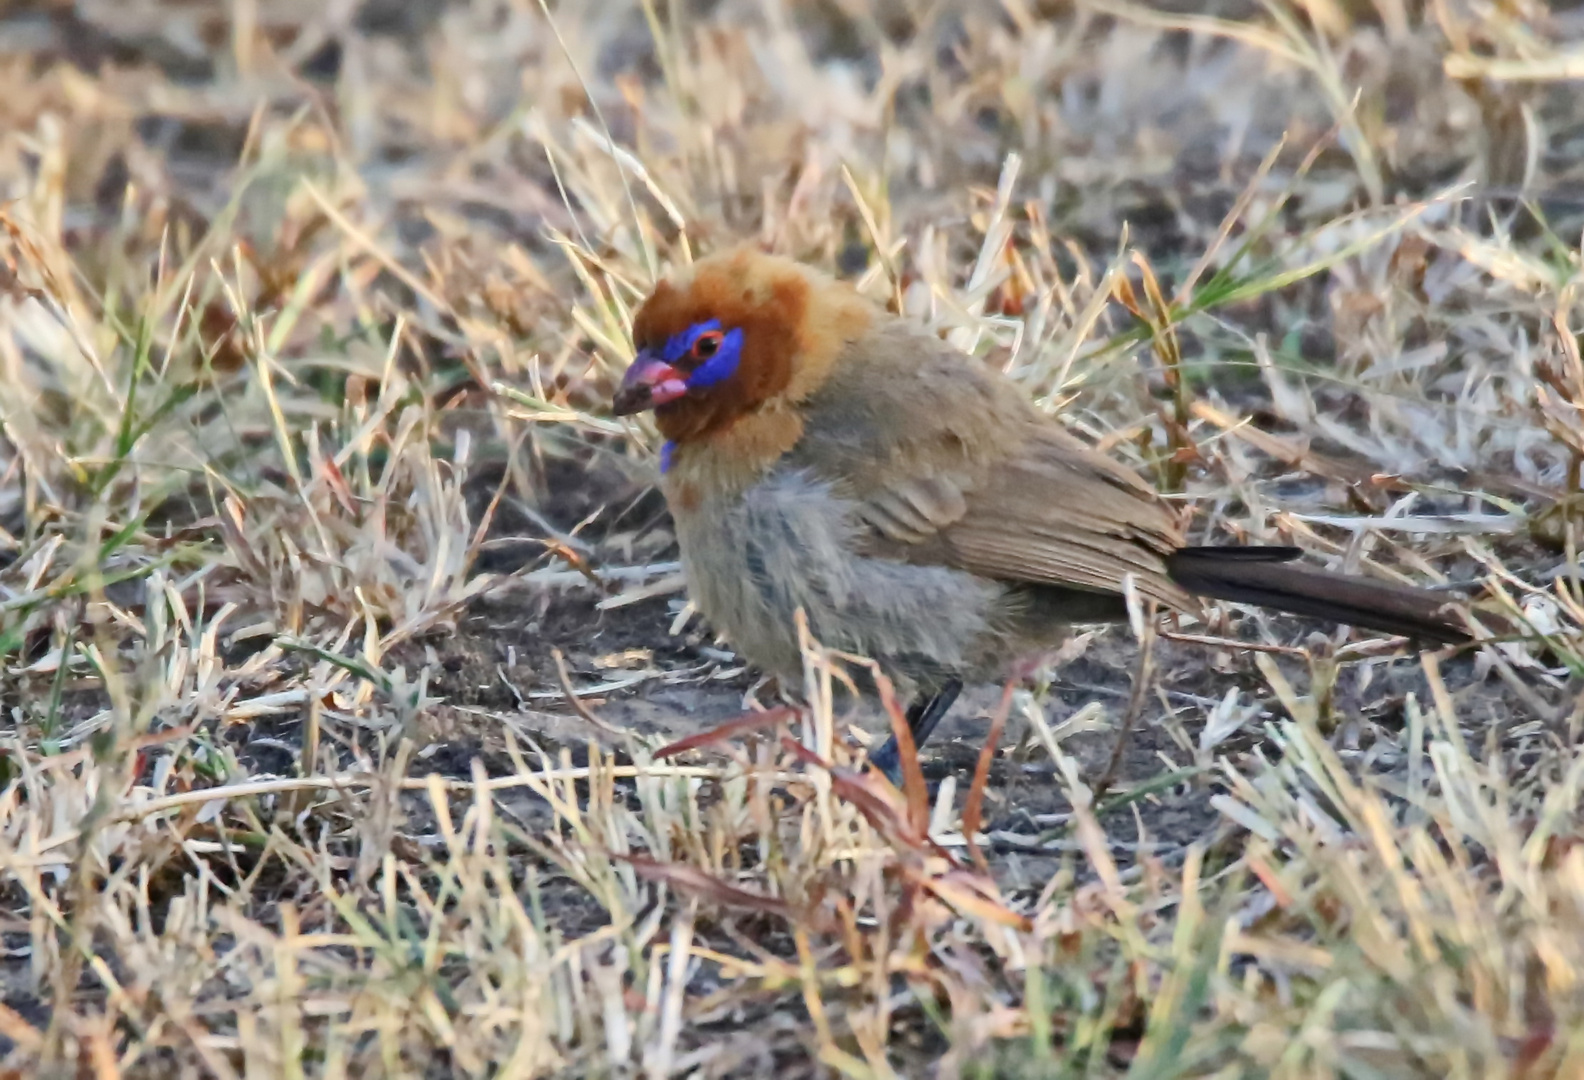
(922, 716)
(927, 712)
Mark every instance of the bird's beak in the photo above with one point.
(649, 382)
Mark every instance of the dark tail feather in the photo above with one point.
(1262, 577)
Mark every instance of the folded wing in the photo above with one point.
(951, 466)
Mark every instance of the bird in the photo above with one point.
(822, 453)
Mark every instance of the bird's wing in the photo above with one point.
(950, 465)
(1060, 513)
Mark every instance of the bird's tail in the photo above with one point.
(1264, 576)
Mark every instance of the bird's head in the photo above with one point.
(734, 335)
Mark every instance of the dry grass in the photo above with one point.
(306, 308)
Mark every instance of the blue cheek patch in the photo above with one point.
(676, 348)
(718, 368)
(667, 451)
(721, 366)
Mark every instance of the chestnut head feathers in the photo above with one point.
(734, 334)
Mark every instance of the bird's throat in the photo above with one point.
(730, 459)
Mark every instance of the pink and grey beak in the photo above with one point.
(649, 382)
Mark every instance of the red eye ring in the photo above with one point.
(707, 344)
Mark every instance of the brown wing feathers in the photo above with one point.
(1058, 513)
(1020, 499)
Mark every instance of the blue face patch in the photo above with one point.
(667, 449)
(718, 368)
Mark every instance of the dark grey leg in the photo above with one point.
(922, 717)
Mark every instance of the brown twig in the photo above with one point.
(907, 754)
(973, 810)
(1142, 677)
(576, 702)
(754, 721)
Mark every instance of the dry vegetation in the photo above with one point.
(312, 517)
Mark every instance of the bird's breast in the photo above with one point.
(790, 542)
(723, 560)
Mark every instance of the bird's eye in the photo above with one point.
(707, 345)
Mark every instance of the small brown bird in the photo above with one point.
(823, 454)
